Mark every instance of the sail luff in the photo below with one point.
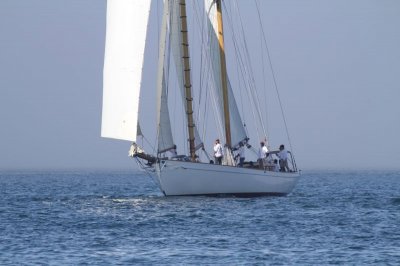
(123, 61)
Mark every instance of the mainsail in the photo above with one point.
(125, 43)
(238, 132)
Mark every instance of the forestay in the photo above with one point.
(125, 43)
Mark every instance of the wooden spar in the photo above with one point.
(223, 74)
(187, 81)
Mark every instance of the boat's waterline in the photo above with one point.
(178, 178)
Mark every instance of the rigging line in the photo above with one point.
(216, 105)
(176, 85)
(203, 69)
(210, 78)
(211, 84)
(195, 17)
(214, 77)
(217, 118)
(230, 25)
(237, 69)
(240, 69)
(238, 58)
(158, 25)
(197, 12)
(243, 69)
(152, 147)
(205, 116)
(273, 76)
(165, 82)
(167, 63)
(209, 75)
(179, 80)
(183, 128)
(206, 72)
(142, 166)
(202, 77)
(255, 93)
(158, 56)
(201, 73)
(265, 88)
(245, 73)
(197, 116)
(195, 94)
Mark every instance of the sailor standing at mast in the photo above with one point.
(262, 154)
(218, 153)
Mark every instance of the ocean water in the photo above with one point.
(120, 218)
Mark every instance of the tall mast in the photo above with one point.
(223, 74)
(186, 76)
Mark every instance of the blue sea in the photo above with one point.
(120, 218)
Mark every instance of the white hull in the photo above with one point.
(187, 178)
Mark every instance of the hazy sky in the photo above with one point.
(337, 65)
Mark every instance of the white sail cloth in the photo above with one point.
(165, 139)
(123, 61)
(238, 132)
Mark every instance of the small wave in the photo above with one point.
(395, 201)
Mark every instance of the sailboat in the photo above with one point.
(186, 167)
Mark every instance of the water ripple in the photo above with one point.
(71, 218)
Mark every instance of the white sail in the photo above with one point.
(238, 132)
(165, 139)
(177, 52)
(123, 61)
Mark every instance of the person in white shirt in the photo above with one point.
(262, 154)
(218, 153)
(283, 159)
